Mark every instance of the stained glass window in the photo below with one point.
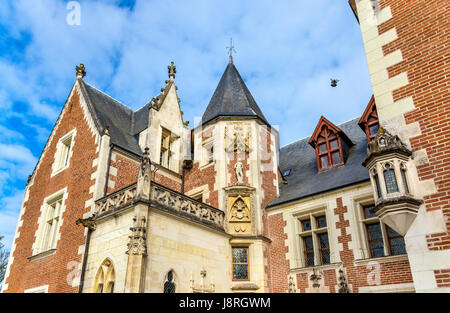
(321, 221)
(306, 225)
(240, 264)
(375, 237)
(324, 248)
(368, 211)
(309, 250)
(389, 178)
(396, 242)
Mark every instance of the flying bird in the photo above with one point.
(334, 82)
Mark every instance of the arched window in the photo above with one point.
(390, 179)
(105, 278)
(169, 285)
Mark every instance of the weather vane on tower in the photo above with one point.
(231, 49)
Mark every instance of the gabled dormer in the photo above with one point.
(331, 145)
(369, 120)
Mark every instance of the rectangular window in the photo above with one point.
(396, 242)
(324, 248)
(375, 238)
(63, 151)
(314, 240)
(166, 154)
(381, 239)
(52, 216)
(240, 264)
(309, 250)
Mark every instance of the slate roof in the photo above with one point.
(232, 98)
(124, 123)
(304, 179)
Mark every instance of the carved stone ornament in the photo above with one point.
(385, 143)
(343, 286)
(81, 71)
(172, 69)
(144, 177)
(315, 278)
(239, 142)
(138, 238)
(291, 285)
(239, 211)
(87, 222)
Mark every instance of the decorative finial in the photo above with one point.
(172, 71)
(81, 72)
(231, 49)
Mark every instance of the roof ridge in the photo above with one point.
(115, 100)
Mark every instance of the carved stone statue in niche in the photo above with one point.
(239, 173)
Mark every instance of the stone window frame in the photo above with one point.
(362, 230)
(171, 148)
(58, 166)
(105, 275)
(39, 289)
(314, 232)
(42, 222)
(206, 154)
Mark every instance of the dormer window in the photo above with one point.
(369, 120)
(330, 144)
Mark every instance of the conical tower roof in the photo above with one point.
(232, 98)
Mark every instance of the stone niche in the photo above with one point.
(240, 209)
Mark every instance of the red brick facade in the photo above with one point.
(422, 28)
(55, 269)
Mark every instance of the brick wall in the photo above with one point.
(422, 29)
(279, 265)
(53, 269)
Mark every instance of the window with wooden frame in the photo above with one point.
(240, 263)
(315, 245)
(328, 150)
(330, 143)
(63, 152)
(167, 140)
(381, 239)
(52, 216)
(369, 120)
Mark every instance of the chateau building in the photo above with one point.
(137, 201)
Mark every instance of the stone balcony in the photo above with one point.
(164, 199)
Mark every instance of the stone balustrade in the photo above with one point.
(186, 206)
(168, 199)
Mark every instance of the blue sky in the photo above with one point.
(286, 51)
